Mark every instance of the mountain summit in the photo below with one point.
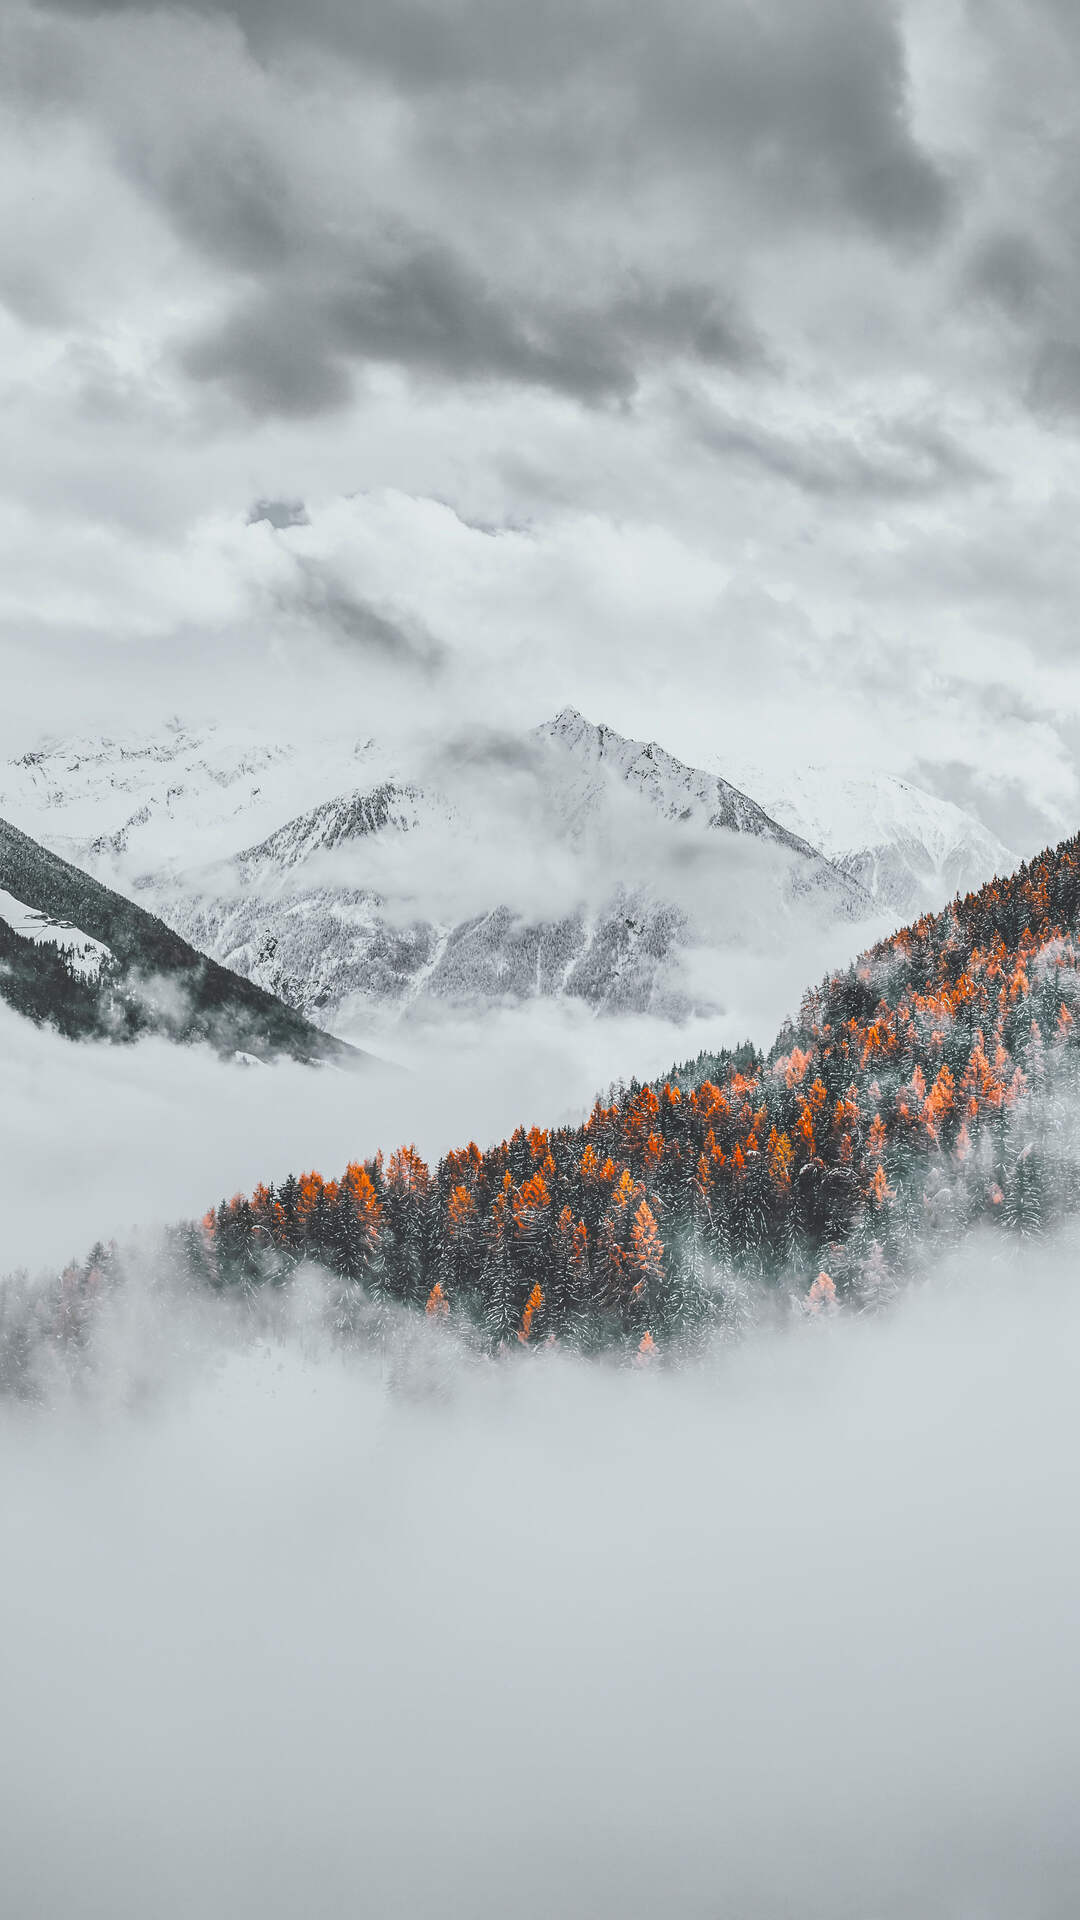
(679, 793)
(581, 865)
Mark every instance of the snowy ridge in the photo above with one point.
(130, 802)
(676, 791)
(911, 850)
(350, 816)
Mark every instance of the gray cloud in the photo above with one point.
(805, 117)
(226, 191)
(1007, 268)
(271, 360)
(894, 460)
(426, 310)
(811, 102)
(1054, 387)
(319, 598)
(484, 748)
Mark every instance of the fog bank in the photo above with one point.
(97, 1139)
(792, 1633)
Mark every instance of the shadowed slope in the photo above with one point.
(171, 986)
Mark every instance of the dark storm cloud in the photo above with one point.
(1054, 388)
(820, 86)
(428, 311)
(808, 103)
(317, 597)
(1008, 269)
(322, 301)
(765, 113)
(228, 194)
(895, 460)
(272, 360)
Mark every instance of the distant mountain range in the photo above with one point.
(569, 863)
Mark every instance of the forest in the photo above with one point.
(926, 1089)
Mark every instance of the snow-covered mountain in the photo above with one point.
(598, 868)
(570, 862)
(593, 756)
(592, 759)
(129, 803)
(909, 849)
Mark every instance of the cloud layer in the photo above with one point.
(792, 1632)
(715, 373)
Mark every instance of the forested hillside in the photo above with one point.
(150, 980)
(928, 1087)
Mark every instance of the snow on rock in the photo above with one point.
(133, 802)
(674, 790)
(84, 953)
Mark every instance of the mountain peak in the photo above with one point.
(569, 724)
(676, 791)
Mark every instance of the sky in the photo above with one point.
(714, 369)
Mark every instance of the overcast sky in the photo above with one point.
(714, 368)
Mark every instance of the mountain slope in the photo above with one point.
(675, 791)
(145, 802)
(171, 986)
(909, 849)
(922, 1093)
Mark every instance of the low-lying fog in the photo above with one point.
(95, 1139)
(788, 1634)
